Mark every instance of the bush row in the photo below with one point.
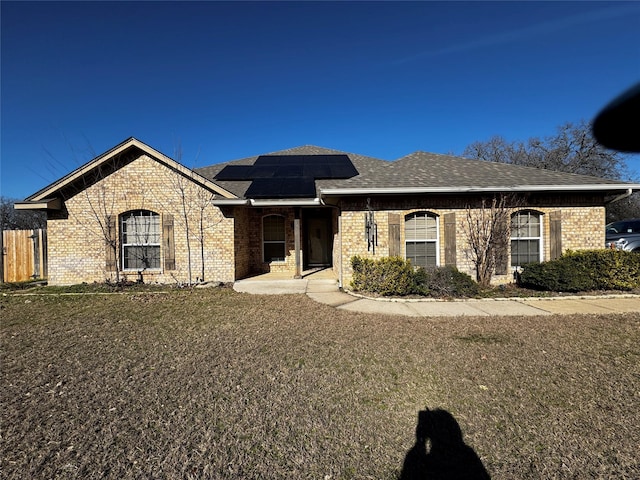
(395, 276)
(584, 271)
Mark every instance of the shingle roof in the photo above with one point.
(365, 166)
(425, 170)
(422, 170)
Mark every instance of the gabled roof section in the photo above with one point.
(423, 172)
(131, 145)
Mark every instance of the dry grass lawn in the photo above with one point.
(216, 384)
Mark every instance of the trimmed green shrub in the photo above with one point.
(584, 271)
(396, 276)
(387, 276)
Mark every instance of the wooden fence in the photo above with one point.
(24, 255)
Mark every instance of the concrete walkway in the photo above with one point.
(325, 290)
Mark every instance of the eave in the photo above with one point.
(44, 204)
(51, 191)
(268, 202)
(603, 187)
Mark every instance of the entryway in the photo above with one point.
(318, 245)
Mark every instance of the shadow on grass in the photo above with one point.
(448, 456)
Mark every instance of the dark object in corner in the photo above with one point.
(617, 126)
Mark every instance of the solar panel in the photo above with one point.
(343, 171)
(234, 172)
(302, 187)
(260, 171)
(317, 171)
(288, 176)
(286, 171)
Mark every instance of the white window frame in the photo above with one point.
(150, 239)
(435, 241)
(283, 241)
(539, 238)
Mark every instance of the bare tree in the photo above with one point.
(12, 219)
(181, 185)
(197, 215)
(625, 208)
(205, 221)
(104, 225)
(100, 218)
(487, 228)
(573, 149)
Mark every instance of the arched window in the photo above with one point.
(421, 239)
(526, 238)
(273, 238)
(140, 235)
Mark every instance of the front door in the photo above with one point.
(318, 242)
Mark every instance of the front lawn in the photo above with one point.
(210, 383)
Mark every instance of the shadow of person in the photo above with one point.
(448, 457)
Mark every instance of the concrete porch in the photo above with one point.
(313, 280)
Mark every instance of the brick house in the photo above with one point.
(133, 213)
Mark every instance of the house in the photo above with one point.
(135, 213)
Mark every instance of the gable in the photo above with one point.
(105, 165)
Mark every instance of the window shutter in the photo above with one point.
(555, 234)
(168, 243)
(450, 239)
(501, 252)
(109, 244)
(394, 235)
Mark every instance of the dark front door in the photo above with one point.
(319, 242)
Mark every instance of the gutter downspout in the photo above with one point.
(622, 196)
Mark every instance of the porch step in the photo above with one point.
(275, 287)
(323, 285)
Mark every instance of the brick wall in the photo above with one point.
(255, 253)
(583, 222)
(77, 248)
(233, 236)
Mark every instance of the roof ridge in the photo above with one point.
(510, 166)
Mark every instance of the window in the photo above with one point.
(140, 234)
(526, 238)
(273, 238)
(421, 239)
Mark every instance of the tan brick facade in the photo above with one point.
(582, 228)
(77, 246)
(232, 236)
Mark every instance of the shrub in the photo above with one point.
(584, 271)
(387, 276)
(444, 282)
(396, 276)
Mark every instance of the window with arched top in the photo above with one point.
(140, 239)
(273, 238)
(526, 238)
(421, 239)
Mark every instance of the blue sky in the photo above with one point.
(219, 81)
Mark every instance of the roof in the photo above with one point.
(417, 173)
(44, 197)
(363, 164)
(423, 172)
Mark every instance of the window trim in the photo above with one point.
(123, 246)
(283, 241)
(539, 238)
(436, 240)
